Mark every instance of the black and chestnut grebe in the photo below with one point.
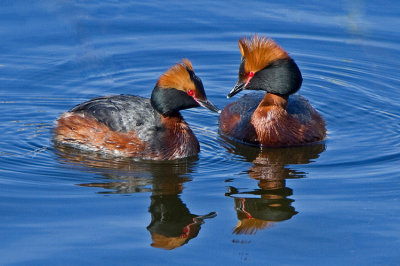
(133, 126)
(276, 118)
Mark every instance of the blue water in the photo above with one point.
(333, 203)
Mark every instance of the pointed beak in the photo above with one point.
(238, 88)
(207, 104)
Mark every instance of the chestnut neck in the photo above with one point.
(271, 99)
(172, 120)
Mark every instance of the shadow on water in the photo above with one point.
(270, 203)
(172, 224)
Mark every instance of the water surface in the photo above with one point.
(335, 202)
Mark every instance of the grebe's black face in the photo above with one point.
(242, 72)
(244, 79)
(281, 77)
(168, 101)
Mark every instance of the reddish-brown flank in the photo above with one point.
(87, 132)
(271, 125)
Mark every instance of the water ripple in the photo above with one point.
(352, 95)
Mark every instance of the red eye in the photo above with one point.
(190, 92)
(251, 74)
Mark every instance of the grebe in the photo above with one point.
(271, 119)
(133, 126)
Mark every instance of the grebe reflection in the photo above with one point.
(261, 208)
(172, 224)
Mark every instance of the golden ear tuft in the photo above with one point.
(177, 77)
(260, 52)
(187, 63)
(241, 47)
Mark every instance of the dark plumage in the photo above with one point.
(119, 113)
(277, 118)
(134, 126)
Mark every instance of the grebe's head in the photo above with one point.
(266, 66)
(179, 88)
